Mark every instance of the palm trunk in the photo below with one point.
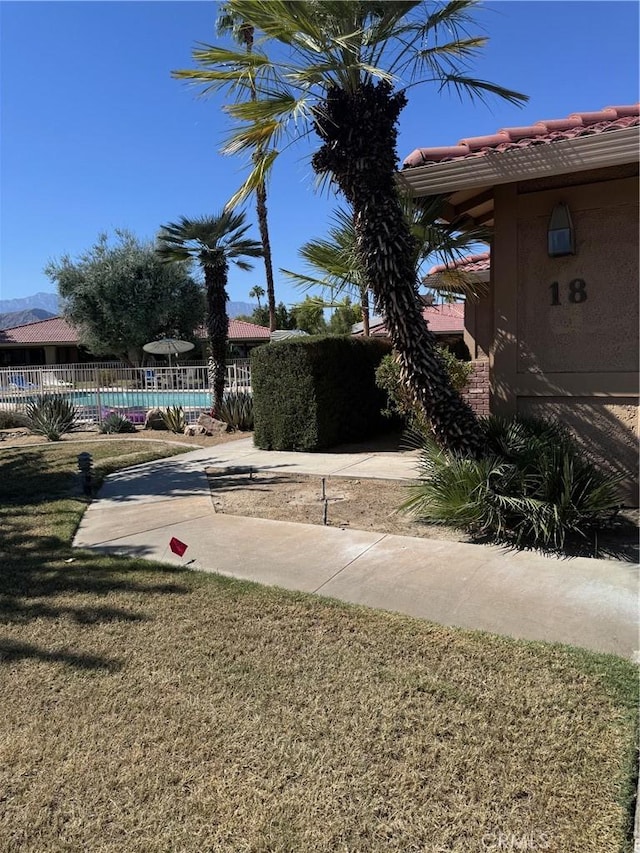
(364, 307)
(261, 209)
(218, 329)
(247, 34)
(359, 131)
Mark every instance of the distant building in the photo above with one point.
(54, 341)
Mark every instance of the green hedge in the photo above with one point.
(317, 392)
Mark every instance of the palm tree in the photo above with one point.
(257, 292)
(337, 269)
(342, 71)
(334, 260)
(243, 33)
(214, 242)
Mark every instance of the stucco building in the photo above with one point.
(558, 327)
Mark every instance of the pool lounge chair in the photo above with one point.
(50, 380)
(19, 383)
(150, 379)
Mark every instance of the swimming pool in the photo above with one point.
(140, 398)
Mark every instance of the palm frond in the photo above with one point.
(480, 89)
(534, 486)
(256, 179)
(207, 239)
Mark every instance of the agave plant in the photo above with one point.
(174, 419)
(237, 410)
(116, 423)
(533, 487)
(51, 415)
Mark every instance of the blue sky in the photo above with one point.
(96, 135)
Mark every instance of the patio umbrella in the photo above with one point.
(168, 346)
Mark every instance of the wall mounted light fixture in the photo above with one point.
(560, 237)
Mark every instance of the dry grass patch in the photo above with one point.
(150, 709)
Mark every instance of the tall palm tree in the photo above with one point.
(336, 266)
(242, 33)
(257, 292)
(214, 242)
(341, 70)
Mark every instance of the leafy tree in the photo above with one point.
(260, 316)
(256, 292)
(344, 317)
(309, 316)
(341, 70)
(119, 296)
(285, 318)
(243, 33)
(214, 242)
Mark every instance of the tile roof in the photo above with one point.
(240, 330)
(541, 133)
(443, 319)
(471, 263)
(54, 330)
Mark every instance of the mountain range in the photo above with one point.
(46, 301)
(50, 303)
(20, 318)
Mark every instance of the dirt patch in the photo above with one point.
(23, 437)
(361, 504)
(367, 504)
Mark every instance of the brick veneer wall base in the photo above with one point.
(476, 394)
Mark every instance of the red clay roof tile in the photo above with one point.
(541, 133)
(471, 263)
(441, 319)
(240, 330)
(56, 330)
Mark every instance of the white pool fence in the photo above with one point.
(97, 389)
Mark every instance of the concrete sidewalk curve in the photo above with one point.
(584, 602)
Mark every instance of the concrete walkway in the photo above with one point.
(584, 602)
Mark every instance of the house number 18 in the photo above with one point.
(577, 292)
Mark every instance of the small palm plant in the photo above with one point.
(334, 265)
(534, 486)
(214, 242)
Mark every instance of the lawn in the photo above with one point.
(152, 709)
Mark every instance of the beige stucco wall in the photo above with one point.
(574, 361)
(599, 334)
(606, 428)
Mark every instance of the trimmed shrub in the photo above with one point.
(116, 423)
(237, 410)
(51, 415)
(534, 486)
(312, 393)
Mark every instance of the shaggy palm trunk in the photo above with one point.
(359, 131)
(364, 308)
(215, 279)
(261, 209)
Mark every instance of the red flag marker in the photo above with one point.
(177, 546)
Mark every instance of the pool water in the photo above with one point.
(143, 399)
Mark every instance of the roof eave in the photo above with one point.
(582, 154)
